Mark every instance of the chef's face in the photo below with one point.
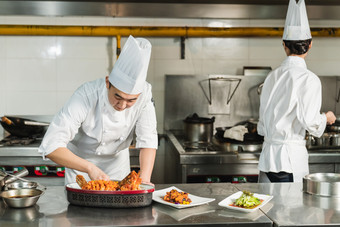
(118, 99)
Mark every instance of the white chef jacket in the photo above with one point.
(290, 104)
(92, 129)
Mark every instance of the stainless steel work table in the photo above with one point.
(53, 209)
(290, 206)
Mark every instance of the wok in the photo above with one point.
(22, 127)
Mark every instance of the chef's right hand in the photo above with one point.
(330, 117)
(97, 174)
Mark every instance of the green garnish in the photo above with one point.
(247, 200)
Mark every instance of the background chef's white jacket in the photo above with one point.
(290, 104)
(92, 129)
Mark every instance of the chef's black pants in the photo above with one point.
(280, 177)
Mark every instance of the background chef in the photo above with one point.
(92, 133)
(290, 104)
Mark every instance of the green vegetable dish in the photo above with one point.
(247, 200)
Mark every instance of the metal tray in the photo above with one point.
(111, 199)
(322, 184)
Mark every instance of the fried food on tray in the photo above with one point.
(81, 181)
(177, 197)
(130, 182)
(102, 185)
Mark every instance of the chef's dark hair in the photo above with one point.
(298, 47)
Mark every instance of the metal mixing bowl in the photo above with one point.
(19, 198)
(22, 184)
(323, 184)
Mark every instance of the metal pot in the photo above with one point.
(22, 127)
(333, 128)
(198, 128)
(335, 140)
(324, 140)
(322, 184)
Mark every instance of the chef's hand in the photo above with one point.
(97, 174)
(148, 183)
(330, 117)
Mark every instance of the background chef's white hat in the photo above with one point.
(297, 26)
(130, 70)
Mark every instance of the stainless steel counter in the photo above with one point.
(292, 207)
(53, 210)
(289, 207)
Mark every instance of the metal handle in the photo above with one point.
(13, 177)
(19, 178)
(259, 89)
(34, 123)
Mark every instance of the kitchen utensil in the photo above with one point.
(322, 184)
(324, 140)
(112, 199)
(333, 128)
(9, 178)
(21, 185)
(198, 128)
(22, 127)
(310, 141)
(335, 140)
(19, 198)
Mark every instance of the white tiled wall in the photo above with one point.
(39, 73)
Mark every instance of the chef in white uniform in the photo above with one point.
(92, 133)
(290, 104)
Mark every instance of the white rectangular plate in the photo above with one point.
(231, 199)
(195, 200)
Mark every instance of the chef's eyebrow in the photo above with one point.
(117, 95)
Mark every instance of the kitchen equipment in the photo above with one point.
(22, 127)
(112, 199)
(335, 140)
(310, 141)
(230, 145)
(19, 198)
(322, 184)
(256, 70)
(9, 178)
(198, 128)
(333, 128)
(22, 184)
(324, 140)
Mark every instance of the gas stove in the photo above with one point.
(17, 141)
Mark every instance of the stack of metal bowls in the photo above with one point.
(21, 194)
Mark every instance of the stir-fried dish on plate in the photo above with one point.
(247, 200)
(129, 183)
(177, 197)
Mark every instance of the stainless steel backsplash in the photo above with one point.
(184, 96)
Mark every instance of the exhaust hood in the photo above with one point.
(224, 9)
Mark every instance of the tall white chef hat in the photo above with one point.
(297, 26)
(130, 70)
